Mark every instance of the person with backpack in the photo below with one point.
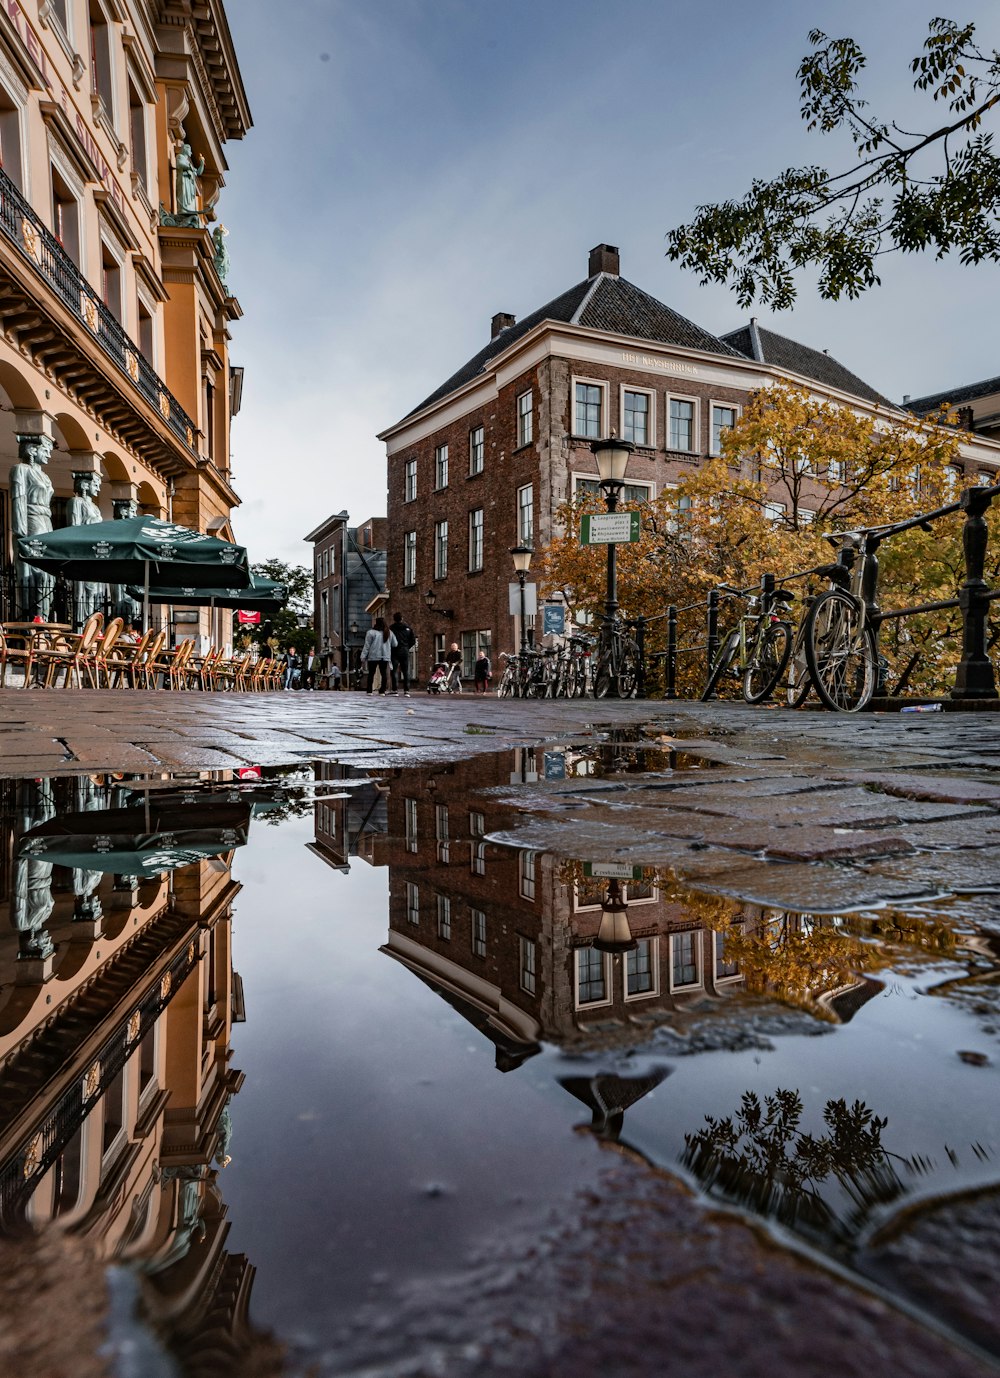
(404, 643)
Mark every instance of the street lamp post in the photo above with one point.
(522, 563)
(612, 456)
(614, 934)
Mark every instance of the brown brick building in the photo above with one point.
(483, 463)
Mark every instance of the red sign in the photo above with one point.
(248, 619)
(249, 773)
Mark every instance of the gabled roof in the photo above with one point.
(920, 406)
(768, 348)
(602, 302)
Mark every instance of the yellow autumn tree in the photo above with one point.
(792, 469)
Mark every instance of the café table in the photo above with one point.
(39, 636)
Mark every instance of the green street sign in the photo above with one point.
(611, 870)
(609, 528)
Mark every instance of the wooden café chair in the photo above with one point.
(16, 649)
(104, 648)
(72, 655)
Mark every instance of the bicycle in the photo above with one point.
(571, 668)
(510, 680)
(617, 661)
(757, 650)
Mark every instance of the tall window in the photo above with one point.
(409, 480)
(477, 447)
(476, 540)
(101, 80)
(529, 959)
(725, 967)
(444, 917)
(477, 847)
(478, 933)
(137, 132)
(439, 646)
(410, 558)
(411, 824)
(526, 515)
(635, 418)
(441, 831)
(684, 958)
(441, 467)
(66, 217)
(639, 969)
(681, 425)
(144, 320)
(412, 904)
(111, 282)
(10, 140)
(591, 985)
(525, 419)
(58, 8)
(440, 550)
(723, 419)
(629, 492)
(209, 419)
(526, 869)
(587, 417)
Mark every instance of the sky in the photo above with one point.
(417, 165)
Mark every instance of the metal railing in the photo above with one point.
(975, 677)
(38, 246)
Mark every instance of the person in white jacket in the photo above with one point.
(376, 654)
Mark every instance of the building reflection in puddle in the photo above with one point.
(601, 960)
(117, 997)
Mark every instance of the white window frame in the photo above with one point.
(481, 432)
(714, 402)
(525, 538)
(526, 419)
(440, 467)
(650, 393)
(412, 904)
(441, 546)
(410, 472)
(17, 93)
(477, 847)
(603, 430)
(654, 962)
(411, 824)
(576, 478)
(524, 945)
(442, 914)
(699, 982)
(718, 980)
(476, 568)
(775, 511)
(695, 424)
(579, 1004)
(409, 559)
(441, 832)
(527, 876)
(474, 941)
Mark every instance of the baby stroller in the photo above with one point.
(445, 679)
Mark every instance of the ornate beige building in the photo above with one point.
(114, 306)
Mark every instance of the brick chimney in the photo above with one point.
(604, 259)
(501, 321)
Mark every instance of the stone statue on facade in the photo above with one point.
(83, 510)
(219, 235)
(122, 509)
(187, 174)
(31, 515)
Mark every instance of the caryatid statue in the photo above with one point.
(83, 510)
(122, 509)
(187, 186)
(32, 900)
(31, 515)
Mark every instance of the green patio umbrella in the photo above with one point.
(138, 548)
(262, 595)
(139, 841)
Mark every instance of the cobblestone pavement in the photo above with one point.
(805, 810)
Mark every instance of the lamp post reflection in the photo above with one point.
(614, 934)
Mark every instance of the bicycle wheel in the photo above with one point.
(840, 652)
(799, 678)
(505, 689)
(723, 659)
(768, 662)
(628, 671)
(601, 682)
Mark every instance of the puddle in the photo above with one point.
(294, 1049)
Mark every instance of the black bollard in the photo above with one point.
(640, 641)
(974, 678)
(670, 692)
(712, 640)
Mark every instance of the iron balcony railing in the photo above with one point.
(37, 244)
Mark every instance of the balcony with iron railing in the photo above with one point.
(36, 244)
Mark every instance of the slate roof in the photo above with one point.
(769, 348)
(601, 302)
(920, 406)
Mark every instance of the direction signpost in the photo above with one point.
(610, 528)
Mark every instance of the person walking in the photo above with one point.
(376, 654)
(310, 662)
(483, 672)
(405, 641)
(291, 667)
